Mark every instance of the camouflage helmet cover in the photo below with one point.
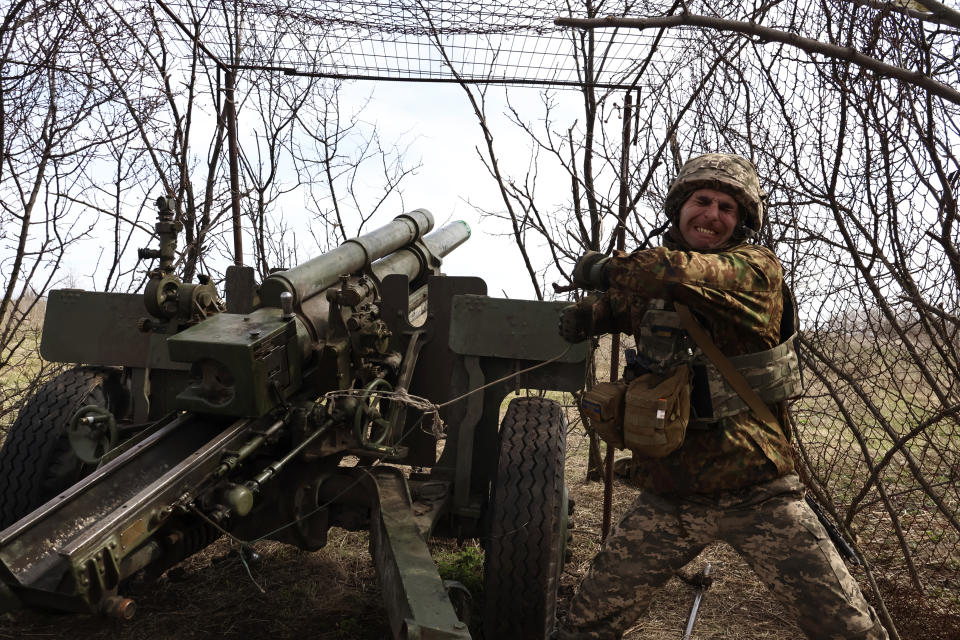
(725, 172)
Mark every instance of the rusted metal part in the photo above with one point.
(417, 602)
(118, 607)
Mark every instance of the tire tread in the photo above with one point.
(524, 549)
(36, 462)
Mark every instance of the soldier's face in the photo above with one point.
(708, 218)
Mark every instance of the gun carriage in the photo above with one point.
(309, 401)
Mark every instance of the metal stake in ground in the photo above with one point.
(702, 580)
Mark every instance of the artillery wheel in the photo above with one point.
(527, 520)
(36, 461)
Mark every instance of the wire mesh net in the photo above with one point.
(474, 41)
(878, 428)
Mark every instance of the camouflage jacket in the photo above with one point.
(736, 295)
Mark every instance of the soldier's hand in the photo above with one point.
(575, 322)
(588, 273)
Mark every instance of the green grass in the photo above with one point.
(464, 565)
(22, 373)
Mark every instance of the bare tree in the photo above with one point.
(104, 107)
(51, 110)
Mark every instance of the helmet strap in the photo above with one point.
(654, 233)
(745, 232)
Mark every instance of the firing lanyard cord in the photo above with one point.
(243, 544)
(426, 406)
(506, 377)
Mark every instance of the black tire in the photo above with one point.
(36, 461)
(527, 520)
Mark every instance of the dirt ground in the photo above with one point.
(333, 593)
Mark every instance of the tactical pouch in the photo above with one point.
(603, 407)
(656, 413)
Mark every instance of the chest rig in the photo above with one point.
(773, 374)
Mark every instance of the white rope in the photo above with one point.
(437, 426)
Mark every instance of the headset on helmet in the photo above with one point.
(725, 172)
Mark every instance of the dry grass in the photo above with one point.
(22, 370)
(329, 595)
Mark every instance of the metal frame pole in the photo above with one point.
(620, 236)
(234, 153)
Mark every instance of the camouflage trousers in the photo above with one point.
(770, 525)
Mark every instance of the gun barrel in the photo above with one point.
(844, 548)
(317, 274)
(448, 238)
(413, 261)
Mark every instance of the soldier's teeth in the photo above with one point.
(710, 231)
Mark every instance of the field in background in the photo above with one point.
(21, 368)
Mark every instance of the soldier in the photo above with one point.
(733, 476)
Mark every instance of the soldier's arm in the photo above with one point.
(723, 283)
(589, 316)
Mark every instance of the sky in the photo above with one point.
(443, 134)
(438, 123)
(452, 183)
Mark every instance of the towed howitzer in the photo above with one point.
(304, 403)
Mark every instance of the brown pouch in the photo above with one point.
(656, 413)
(603, 407)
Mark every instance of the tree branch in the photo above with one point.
(767, 34)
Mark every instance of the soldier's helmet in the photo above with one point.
(725, 172)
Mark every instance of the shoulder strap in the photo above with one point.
(733, 377)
